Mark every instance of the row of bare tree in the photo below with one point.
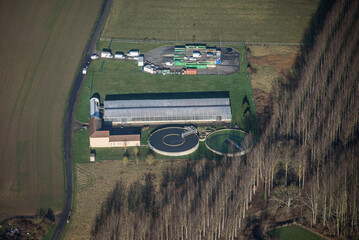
(314, 132)
(312, 137)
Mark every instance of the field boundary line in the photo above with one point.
(211, 42)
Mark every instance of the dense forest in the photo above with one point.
(305, 165)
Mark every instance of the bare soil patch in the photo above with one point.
(268, 63)
(281, 63)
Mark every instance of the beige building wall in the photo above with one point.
(99, 142)
(125, 144)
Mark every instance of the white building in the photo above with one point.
(105, 139)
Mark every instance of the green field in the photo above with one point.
(293, 232)
(210, 20)
(217, 140)
(41, 46)
(123, 77)
(127, 46)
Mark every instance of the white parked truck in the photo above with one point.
(133, 53)
(197, 54)
(106, 53)
(120, 55)
(94, 56)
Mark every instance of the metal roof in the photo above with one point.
(167, 110)
(94, 107)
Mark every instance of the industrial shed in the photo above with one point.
(169, 108)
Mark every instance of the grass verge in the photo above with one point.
(80, 146)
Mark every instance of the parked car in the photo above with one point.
(169, 63)
(84, 70)
(94, 56)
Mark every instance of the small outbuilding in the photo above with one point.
(92, 157)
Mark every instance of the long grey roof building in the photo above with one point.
(175, 108)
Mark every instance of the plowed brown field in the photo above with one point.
(41, 44)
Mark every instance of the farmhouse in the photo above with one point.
(110, 137)
(168, 108)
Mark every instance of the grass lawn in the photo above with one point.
(210, 20)
(293, 233)
(145, 134)
(80, 146)
(123, 77)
